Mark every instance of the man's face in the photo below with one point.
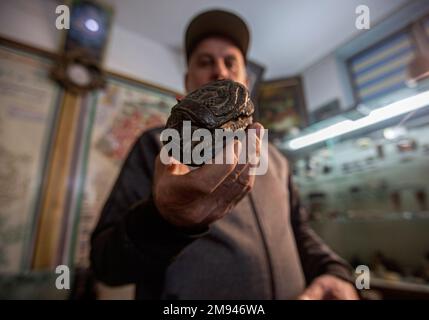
(215, 58)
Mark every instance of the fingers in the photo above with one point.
(246, 178)
(202, 181)
(240, 181)
(173, 166)
(232, 189)
(345, 291)
(176, 178)
(328, 287)
(313, 292)
(212, 190)
(168, 178)
(254, 137)
(240, 188)
(211, 175)
(258, 127)
(218, 203)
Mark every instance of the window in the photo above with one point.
(382, 68)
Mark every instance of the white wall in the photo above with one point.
(145, 59)
(322, 84)
(33, 23)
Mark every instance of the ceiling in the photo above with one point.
(287, 35)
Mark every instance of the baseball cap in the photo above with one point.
(217, 23)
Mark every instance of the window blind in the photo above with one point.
(382, 68)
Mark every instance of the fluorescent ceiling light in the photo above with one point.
(390, 111)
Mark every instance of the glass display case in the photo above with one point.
(363, 177)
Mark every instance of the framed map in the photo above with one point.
(59, 157)
(28, 106)
(116, 117)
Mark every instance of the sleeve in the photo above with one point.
(316, 257)
(132, 242)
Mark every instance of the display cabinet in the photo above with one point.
(363, 177)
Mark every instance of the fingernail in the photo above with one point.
(237, 148)
(260, 131)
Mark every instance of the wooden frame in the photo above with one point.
(348, 61)
(50, 245)
(93, 159)
(41, 178)
(255, 73)
(282, 106)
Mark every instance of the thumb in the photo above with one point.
(313, 292)
(260, 130)
(170, 166)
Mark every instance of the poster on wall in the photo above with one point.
(117, 116)
(28, 105)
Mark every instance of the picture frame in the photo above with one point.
(114, 118)
(255, 74)
(30, 109)
(282, 107)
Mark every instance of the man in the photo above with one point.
(216, 232)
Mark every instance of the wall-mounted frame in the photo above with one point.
(53, 215)
(282, 106)
(114, 118)
(29, 110)
(255, 74)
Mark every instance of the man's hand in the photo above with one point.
(191, 199)
(327, 287)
